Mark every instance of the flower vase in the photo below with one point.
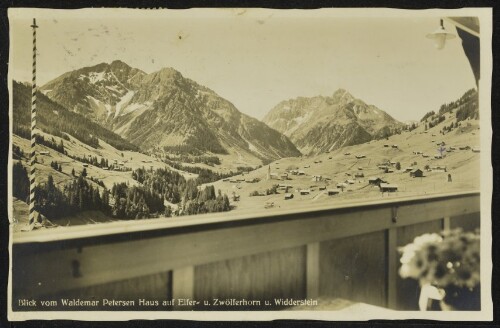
(461, 299)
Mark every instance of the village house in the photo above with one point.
(375, 181)
(386, 187)
(44, 152)
(416, 173)
(475, 149)
(359, 175)
(439, 169)
(408, 169)
(288, 196)
(317, 178)
(394, 146)
(269, 204)
(273, 176)
(300, 172)
(333, 192)
(305, 192)
(284, 187)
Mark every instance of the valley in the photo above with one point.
(115, 143)
(335, 167)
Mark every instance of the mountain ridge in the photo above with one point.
(165, 111)
(325, 123)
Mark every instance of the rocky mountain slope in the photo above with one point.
(56, 120)
(165, 111)
(99, 92)
(319, 124)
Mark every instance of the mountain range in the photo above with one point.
(318, 124)
(165, 111)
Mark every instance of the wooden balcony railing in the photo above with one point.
(347, 252)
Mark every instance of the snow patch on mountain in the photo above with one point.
(123, 102)
(95, 77)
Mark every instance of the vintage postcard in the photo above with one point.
(250, 164)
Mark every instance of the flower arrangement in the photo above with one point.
(449, 261)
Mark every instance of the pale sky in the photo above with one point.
(257, 58)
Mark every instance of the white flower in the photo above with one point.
(405, 271)
(409, 252)
(428, 238)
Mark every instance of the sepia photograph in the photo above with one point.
(250, 164)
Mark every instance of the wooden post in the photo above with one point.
(312, 270)
(446, 223)
(31, 214)
(182, 287)
(392, 267)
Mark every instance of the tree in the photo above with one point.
(73, 172)
(168, 211)
(84, 172)
(398, 166)
(105, 201)
(21, 187)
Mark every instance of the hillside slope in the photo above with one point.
(55, 120)
(342, 165)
